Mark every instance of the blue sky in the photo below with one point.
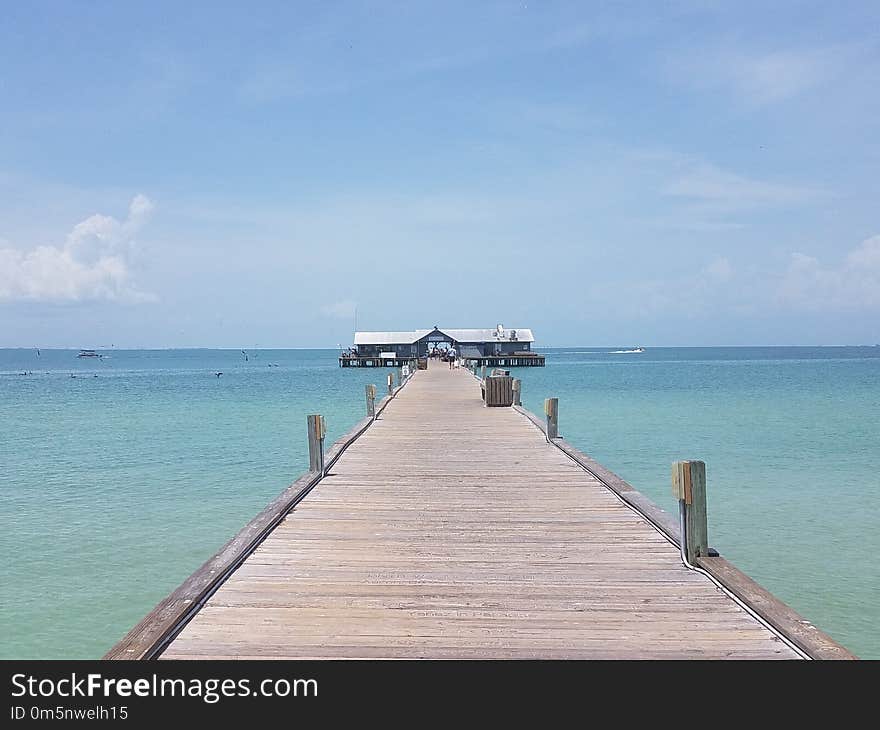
(679, 173)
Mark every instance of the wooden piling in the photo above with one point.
(390, 383)
(551, 410)
(517, 392)
(689, 486)
(317, 431)
(371, 401)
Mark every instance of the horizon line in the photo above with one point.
(542, 347)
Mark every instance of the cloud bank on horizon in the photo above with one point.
(697, 173)
(92, 264)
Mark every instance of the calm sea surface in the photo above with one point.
(116, 483)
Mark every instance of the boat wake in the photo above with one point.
(627, 352)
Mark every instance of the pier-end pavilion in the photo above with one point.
(491, 347)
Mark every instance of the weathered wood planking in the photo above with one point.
(449, 529)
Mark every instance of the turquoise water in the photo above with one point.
(114, 488)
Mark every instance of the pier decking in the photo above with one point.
(452, 530)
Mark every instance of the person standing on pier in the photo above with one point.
(451, 355)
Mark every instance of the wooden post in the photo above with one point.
(371, 401)
(689, 487)
(390, 383)
(317, 431)
(517, 392)
(482, 372)
(400, 376)
(551, 410)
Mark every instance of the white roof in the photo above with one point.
(490, 335)
(389, 338)
(459, 335)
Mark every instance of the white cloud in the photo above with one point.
(92, 264)
(779, 75)
(763, 77)
(344, 309)
(803, 286)
(852, 285)
(708, 184)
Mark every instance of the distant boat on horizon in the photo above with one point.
(88, 353)
(635, 351)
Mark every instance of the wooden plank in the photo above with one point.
(499, 390)
(454, 530)
(656, 515)
(659, 517)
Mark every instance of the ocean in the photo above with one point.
(122, 474)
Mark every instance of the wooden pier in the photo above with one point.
(513, 360)
(356, 361)
(446, 529)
